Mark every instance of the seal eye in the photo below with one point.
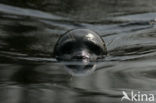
(67, 47)
(94, 48)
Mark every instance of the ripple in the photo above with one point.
(134, 75)
(27, 12)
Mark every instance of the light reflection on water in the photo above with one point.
(30, 73)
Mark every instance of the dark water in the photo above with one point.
(29, 30)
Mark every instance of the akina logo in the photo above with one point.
(137, 96)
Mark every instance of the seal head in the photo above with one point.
(81, 45)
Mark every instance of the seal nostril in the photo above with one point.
(78, 57)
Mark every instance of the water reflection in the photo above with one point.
(29, 30)
(79, 68)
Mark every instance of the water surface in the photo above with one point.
(29, 30)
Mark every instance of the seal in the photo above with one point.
(82, 45)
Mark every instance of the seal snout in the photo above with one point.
(81, 54)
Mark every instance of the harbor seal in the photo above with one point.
(80, 45)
